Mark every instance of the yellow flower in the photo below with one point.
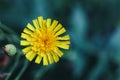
(43, 40)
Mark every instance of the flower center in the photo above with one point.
(43, 41)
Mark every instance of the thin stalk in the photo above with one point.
(41, 72)
(14, 67)
(4, 27)
(22, 70)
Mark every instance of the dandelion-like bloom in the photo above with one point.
(44, 40)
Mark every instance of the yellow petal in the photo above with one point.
(50, 58)
(65, 46)
(59, 26)
(36, 24)
(54, 24)
(25, 36)
(40, 19)
(38, 32)
(61, 31)
(45, 60)
(25, 50)
(27, 31)
(66, 37)
(30, 55)
(44, 21)
(38, 59)
(30, 27)
(24, 42)
(44, 26)
(48, 22)
(55, 57)
(58, 52)
(62, 42)
(42, 53)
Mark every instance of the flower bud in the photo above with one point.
(10, 49)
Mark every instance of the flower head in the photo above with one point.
(43, 40)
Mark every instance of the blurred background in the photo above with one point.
(94, 28)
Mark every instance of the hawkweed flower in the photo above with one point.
(43, 40)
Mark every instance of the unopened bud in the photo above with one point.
(10, 49)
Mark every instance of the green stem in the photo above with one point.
(41, 72)
(22, 70)
(9, 31)
(14, 67)
(4, 27)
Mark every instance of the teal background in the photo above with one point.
(94, 28)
